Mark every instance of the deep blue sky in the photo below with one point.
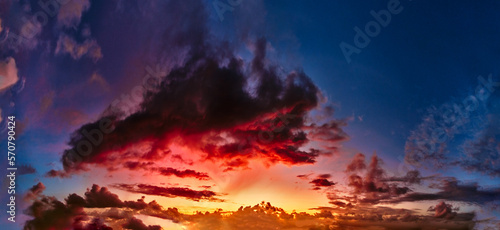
(429, 54)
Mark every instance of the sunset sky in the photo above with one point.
(239, 114)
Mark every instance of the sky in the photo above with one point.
(233, 114)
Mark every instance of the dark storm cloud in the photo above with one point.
(169, 191)
(212, 101)
(215, 99)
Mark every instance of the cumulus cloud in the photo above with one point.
(49, 213)
(8, 73)
(374, 186)
(89, 48)
(217, 115)
(93, 212)
(101, 197)
(98, 209)
(260, 216)
(227, 109)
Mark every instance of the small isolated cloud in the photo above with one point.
(320, 182)
(8, 73)
(47, 101)
(34, 191)
(71, 12)
(25, 169)
(96, 78)
(89, 48)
